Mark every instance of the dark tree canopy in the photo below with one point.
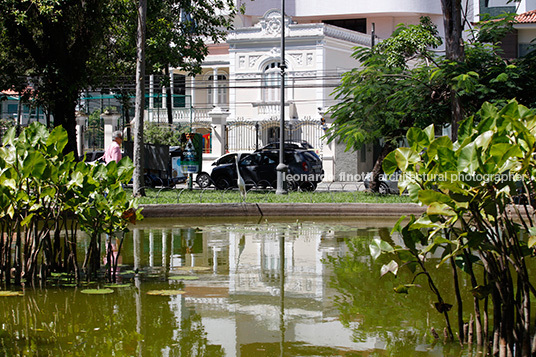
(53, 46)
(61, 47)
(401, 84)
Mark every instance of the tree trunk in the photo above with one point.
(459, 301)
(452, 21)
(169, 98)
(64, 115)
(377, 170)
(138, 189)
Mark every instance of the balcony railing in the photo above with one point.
(180, 115)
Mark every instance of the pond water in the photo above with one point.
(251, 288)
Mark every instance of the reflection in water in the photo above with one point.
(259, 290)
(282, 291)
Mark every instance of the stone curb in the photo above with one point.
(280, 209)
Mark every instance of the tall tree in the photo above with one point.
(454, 50)
(385, 97)
(177, 34)
(52, 42)
(61, 47)
(138, 189)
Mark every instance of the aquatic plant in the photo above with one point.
(479, 192)
(47, 196)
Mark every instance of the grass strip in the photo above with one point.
(171, 195)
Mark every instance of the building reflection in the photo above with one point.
(238, 293)
(262, 290)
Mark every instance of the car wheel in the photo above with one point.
(292, 185)
(308, 186)
(383, 189)
(222, 183)
(149, 182)
(203, 180)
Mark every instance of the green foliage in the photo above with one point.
(383, 98)
(58, 48)
(408, 42)
(476, 212)
(493, 29)
(64, 47)
(389, 94)
(175, 33)
(163, 134)
(42, 189)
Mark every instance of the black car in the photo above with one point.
(203, 178)
(388, 183)
(289, 145)
(259, 170)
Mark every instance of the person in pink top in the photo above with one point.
(113, 152)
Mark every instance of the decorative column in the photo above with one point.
(171, 90)
(328, 152)
(81, 120)
(192, 91)
(150, 112)
(215, 87)
(219, 119)
(110, 119)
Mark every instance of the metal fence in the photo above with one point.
(248, 135)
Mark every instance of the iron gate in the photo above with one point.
(248, 135)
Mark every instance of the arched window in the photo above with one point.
(271, 82)
(222, 89)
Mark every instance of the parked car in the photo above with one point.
(91, 156)
(388, 184)
(291, 145)
(259, 170)
(203, 178)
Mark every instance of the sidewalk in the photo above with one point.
(341, 186)
(281, 209)
(322, 186)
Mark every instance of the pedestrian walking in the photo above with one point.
(113, 151)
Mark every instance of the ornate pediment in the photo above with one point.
(270, 23)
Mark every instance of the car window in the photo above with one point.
(268, 159)
(310, 156)
(227, 159)
(291, 157)
(249, 160)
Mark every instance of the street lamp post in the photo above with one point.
(282, 168)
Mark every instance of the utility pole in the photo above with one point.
(138, 189)
(282, 168)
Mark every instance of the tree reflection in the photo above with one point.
(368, 305)
(59, 322)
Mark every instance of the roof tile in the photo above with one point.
(528, 17)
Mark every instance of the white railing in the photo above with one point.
(268, 109)
(180, 115)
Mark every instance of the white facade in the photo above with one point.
(246, 74)
(237, 97)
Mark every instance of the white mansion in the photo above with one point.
(236, 102)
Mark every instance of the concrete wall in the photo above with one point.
(345, 162)
(336, 7)
(526, 35)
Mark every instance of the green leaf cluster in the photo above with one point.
(386, 96)
(163, 134)
(479, 192)
(402, 83)
(45, 193)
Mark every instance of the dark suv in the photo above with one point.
(259, 170)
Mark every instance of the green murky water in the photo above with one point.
(265, 288)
